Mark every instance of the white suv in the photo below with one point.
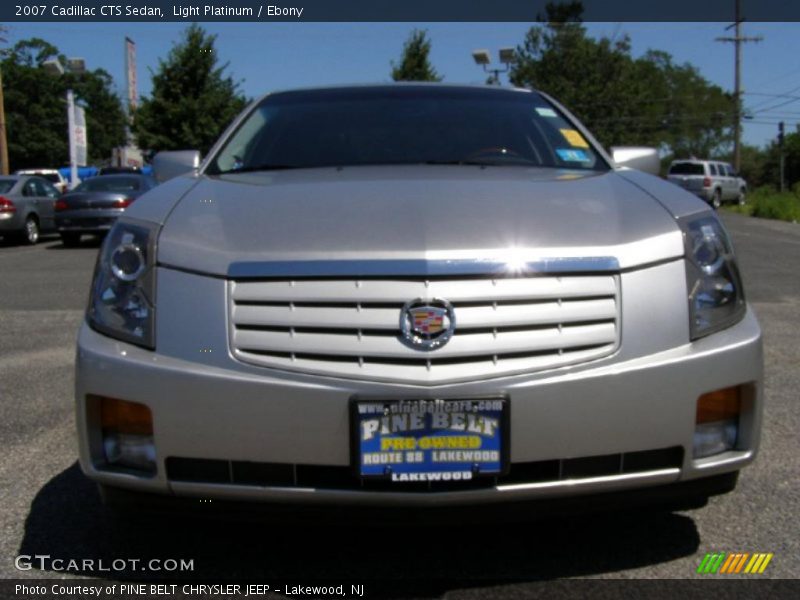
(715, 182)
(51, 175)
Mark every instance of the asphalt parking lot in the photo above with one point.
(48, 508)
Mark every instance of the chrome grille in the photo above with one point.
(349, 328)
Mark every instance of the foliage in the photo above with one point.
(192, 99)
(767, 203)
(36, 116)
(645, 101)
(414, 63)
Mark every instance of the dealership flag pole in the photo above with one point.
(73, 159)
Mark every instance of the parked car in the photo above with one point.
(95, 204)
(416, 295)
(715, 182)
(26, 207)
(51, 175)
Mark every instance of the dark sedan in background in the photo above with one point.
(95, 204)
(26, 207)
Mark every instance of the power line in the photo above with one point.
(779, 77)
(778, 105)
(770, 95)
(784, 95)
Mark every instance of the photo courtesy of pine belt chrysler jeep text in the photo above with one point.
(416, 295)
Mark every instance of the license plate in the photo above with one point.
(430, 440)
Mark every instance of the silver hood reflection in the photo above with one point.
(234, 224)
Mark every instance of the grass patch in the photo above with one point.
(767, 203)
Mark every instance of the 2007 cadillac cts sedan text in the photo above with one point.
(416, 295)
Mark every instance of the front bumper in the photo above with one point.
(209, 410)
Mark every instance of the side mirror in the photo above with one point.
(637, 157)
(167, 165)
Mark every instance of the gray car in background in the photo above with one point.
(26, 207)
(416, 295)
(94, 206)
(715, 182)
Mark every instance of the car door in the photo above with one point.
(729, 183)
(46, 195)
(30, 200)
(734, 181)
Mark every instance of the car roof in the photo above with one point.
(399, 86)
(37, 171)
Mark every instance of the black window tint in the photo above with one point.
(50, 190)
(686, 168)
(405, 125)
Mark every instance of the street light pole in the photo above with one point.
(483, 59)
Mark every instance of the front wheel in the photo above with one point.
(742, 197)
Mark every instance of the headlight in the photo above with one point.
(122, 302)
(716, 296)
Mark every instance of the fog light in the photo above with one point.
(714, 438)
(128, 434)
(133, 451)
(717, 422)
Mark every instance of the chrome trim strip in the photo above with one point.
(418, 268)
(567, 488)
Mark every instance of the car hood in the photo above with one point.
(413, 213)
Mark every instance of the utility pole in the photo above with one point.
(4, 168)
(780, 146)
(738, 40)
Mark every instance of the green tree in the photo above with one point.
(414, 63)
(623, 100)
(754, 166)
(36, 115)
(791, 154)
(192, 99)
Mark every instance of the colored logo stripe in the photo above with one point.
(734, 562)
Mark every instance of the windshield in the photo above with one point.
(404, 125)
(6, 185)
(686, 169)
(109, 184)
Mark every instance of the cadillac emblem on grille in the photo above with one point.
(427, 324)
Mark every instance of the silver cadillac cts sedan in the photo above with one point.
(413, 296)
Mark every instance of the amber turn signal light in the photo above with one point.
(122, 416)
(719, 405)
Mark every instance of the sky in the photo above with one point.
(272, 56)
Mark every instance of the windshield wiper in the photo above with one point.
(262, 167)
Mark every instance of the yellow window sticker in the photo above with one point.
(574, 138)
